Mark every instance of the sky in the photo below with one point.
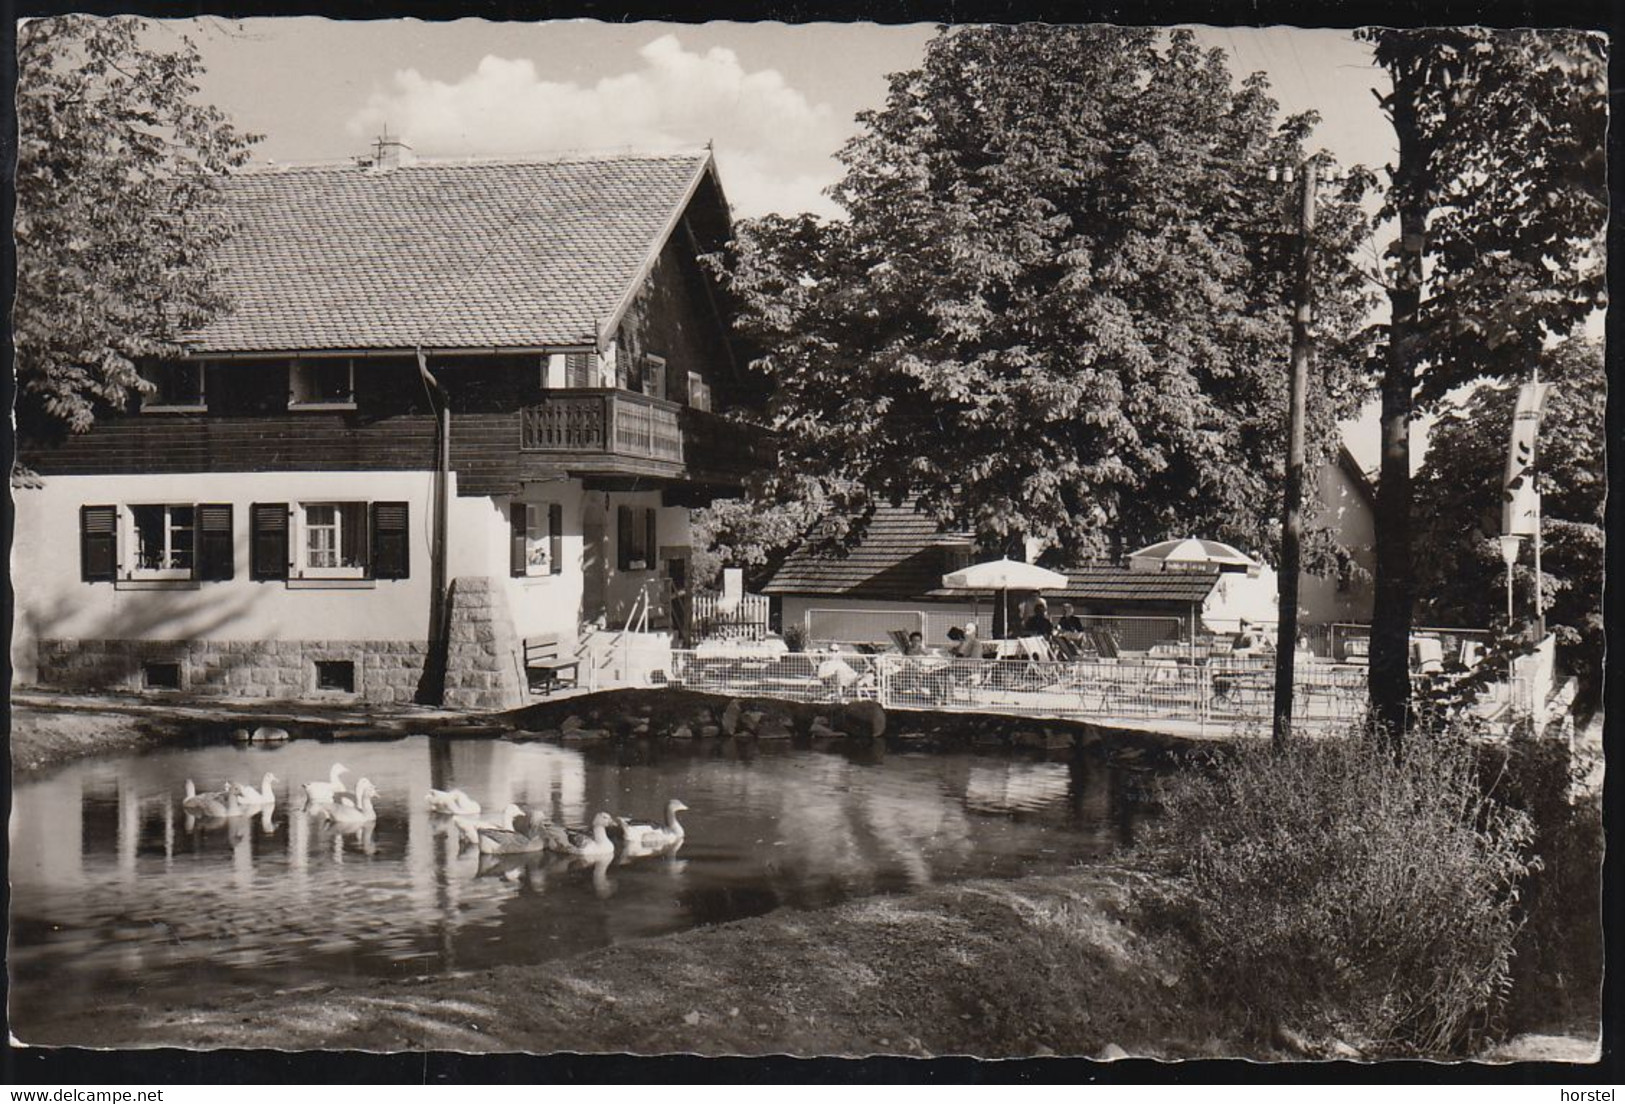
(775, 100)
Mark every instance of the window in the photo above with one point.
(635, 538)
(322, 384)
(179, 386)
(335, 674)
(161, 676)
(329, 540)
(178, 541)
(654, 376)
(699, 392)
(164, 541)
(537, 531)
(333, 540)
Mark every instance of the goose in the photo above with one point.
(322, 793)
(351, 810)
(211, 807)
(262, 796)
(200, 803)
(647, 836)
(579, 841)
(469, 828)
(453, 803)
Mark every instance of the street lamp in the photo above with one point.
(1509, 556)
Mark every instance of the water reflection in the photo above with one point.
(114, 884)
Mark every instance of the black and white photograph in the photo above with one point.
(851, 540)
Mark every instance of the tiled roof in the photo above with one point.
(1103, 582)
(901, 556)
(444, 254)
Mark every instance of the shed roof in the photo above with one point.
(517, 253)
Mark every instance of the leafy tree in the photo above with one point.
(1458, 499)
(1059, 305)
(742, 532)
(1498, 189)
(117, 171)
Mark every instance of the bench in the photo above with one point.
(545, 664)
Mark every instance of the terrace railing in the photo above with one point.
(588, 420)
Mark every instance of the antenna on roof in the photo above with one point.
(390, 152)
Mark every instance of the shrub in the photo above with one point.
(795, 638)
(1338, 892)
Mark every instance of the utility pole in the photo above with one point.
(1286, 636)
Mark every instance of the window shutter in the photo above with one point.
(649, 546)
(623, 537)
(555, 538)
(516, 538)
(98, 543)
(577, 370)
(215, 553)
(391, 546)
(268, 540)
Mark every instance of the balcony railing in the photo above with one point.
(621, 423)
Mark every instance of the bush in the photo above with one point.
(795, 638)
(1336, 892)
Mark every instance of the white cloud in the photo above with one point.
(772, 144)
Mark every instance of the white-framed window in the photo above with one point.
(162, 541)
(321, 383)
(179, 386)
(654, 376)
(699, 392)
(332, 540)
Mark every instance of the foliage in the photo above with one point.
(1059, 304)
(1459, 498)
(746, 533)
(1352, 895)
(117, 171)
(1500, 196)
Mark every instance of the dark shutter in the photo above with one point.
(555, 538)
(98, 543)
(268, 540)
(576, 370)
(516, 538)
(391, 546)
(215, 553)
(623, 537)
(649, 546)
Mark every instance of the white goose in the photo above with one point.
(201, 804)
(262, 796)
(453, 803)
(323, 793)
(587, 844)
(647, 837)
(352, 810)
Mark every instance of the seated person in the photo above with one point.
(1070, 622)
(966, 644)
(1039, 623)
(1247, 641)
(916, 644)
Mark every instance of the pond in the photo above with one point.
(115, 889)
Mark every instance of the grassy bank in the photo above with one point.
(997, 969)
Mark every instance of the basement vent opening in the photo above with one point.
(335, 674)
(161, 676)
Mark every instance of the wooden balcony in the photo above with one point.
(598, 432)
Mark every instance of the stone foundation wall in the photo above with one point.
(483, 658)
(385, 670)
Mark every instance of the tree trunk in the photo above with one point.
(1390, 677)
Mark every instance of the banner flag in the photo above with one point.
(1520, 502)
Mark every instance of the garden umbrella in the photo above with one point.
(1003, 576)
(1172, 555)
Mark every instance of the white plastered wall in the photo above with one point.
(52, 600)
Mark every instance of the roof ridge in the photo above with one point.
(359, 164)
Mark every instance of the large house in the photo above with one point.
(455, 407)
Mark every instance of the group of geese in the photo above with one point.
(331, 800)
(521, 831)
(517, 831)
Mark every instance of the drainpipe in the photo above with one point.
(438, 606)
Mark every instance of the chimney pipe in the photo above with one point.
(390, 153)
